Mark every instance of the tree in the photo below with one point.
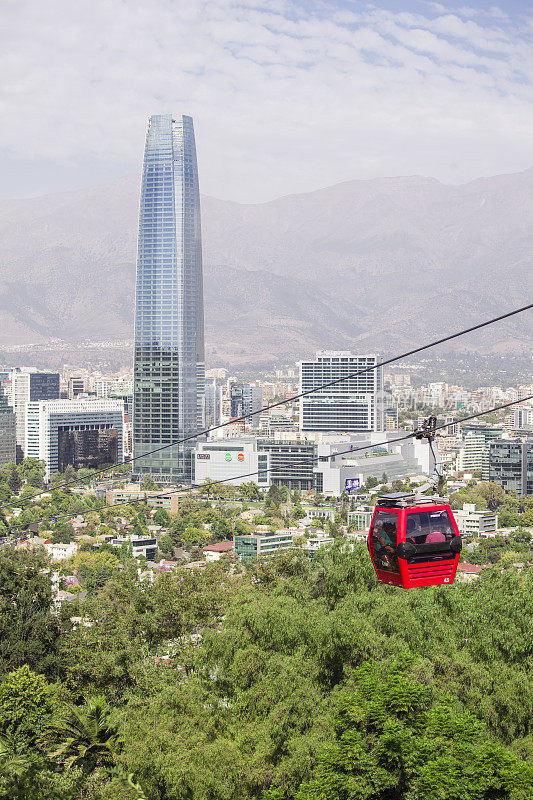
(83, 736)
(251, 491)
(384, 478)
(69, 474)
(298, 512)
(493, 494)
(166, 544)
(95, 568)
(13, 479)
(162, 517)
(63, 532)
(148, 484)
(394, 738)
(371, 481)
(27, 702)
(29, 632)
(274, 497)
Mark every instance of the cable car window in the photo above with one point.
(428, 527)
(383, 541)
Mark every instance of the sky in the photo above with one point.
(287, 95)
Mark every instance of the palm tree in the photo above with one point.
(83, 736)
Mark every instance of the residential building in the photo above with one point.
(8, 432)
(169, 316)
(466, 573)
(82, 433)
(324, 513)
(214, 552)
(59, 551)
(511, 465)
(361, 517)
(472, 522)
(316, 542)
(155, 499)
(140, 545)
(354, 404)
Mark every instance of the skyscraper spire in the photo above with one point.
(169, 318)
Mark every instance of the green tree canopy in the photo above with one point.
(395, 739)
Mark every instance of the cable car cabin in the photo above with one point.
(414, 541)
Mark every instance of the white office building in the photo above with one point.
(83, 433)
(227, 461)
(410, 458)
(356, 404)
(472, 522)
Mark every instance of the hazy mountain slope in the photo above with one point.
(378, 264)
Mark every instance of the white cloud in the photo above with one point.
(286, 97)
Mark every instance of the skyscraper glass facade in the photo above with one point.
(169, 324)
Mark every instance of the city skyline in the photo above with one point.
(169, 365)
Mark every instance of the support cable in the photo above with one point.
(314, 390)
(410, 435)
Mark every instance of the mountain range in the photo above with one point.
(375, 265)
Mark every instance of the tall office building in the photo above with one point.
(82, 433)
(27, 387)
(511, 464)
(213, 403)
(8, 438)
(169, 370)
(246, 398)
(354, 404)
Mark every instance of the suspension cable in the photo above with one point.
(286, 400)
(410, 435)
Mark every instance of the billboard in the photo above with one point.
(351, 484)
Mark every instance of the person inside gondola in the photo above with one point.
(435, 536)
(385, 547)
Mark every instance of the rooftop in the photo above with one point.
(220, 547)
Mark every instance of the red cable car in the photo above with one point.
(414, 541)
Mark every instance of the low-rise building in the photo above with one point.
(472, 522)
(316, 542)
(140, 545)
(361, 517)
(213, 552)
(258, 544)
(466, 573)
(320, 512)
(59, 551)
(133, 494)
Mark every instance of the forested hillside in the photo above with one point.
(290, 679)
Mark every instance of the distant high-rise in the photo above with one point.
(354, 404)
(169, 371)
(27, 386)
(246, 398)
(8, 438)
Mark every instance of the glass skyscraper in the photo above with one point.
(169, 372)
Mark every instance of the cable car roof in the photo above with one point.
(407, 499)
